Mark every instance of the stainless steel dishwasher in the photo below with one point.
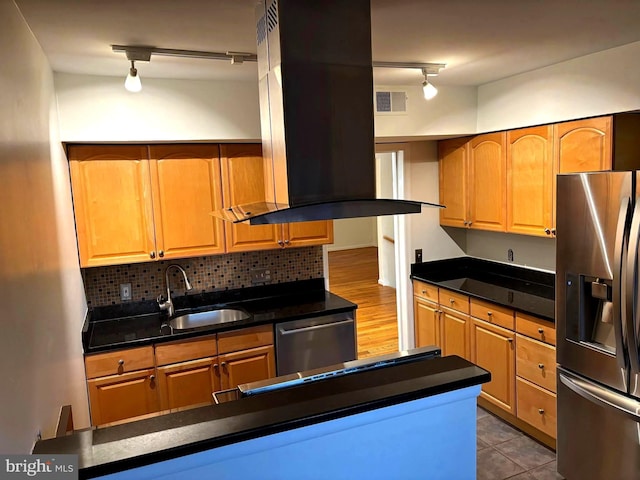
(315, 342)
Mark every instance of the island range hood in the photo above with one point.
(316, 110)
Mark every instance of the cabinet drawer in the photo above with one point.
(536, 362)
(426, 291)
(454, 300)
(122, 361)
(537, 328)
(183, 351)
(492, 313)
(536, 406)
(245, 338)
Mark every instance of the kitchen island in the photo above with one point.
(413, 420)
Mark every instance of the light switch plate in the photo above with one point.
(125, 292)
(260, 276)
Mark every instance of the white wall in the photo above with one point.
(528, 251)
(451, 112)
(385, 180)
(425, 230)
(596, 84)
(353, 233)
(41, 292)
(94, 108)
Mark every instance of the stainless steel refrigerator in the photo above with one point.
(598, 325)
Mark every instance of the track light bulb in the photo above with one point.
(428, 90)
(133, 83)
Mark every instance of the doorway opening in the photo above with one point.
(364, 265)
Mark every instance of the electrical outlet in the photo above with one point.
(125, 292)
(418, 255)
(510, 255)
(260, 276)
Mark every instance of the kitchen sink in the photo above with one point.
(212, 317)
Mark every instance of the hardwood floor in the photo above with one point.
(353, 274)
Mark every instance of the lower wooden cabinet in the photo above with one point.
(427, 322)
(117, 397)
(188, 383)
(247, 366)
(455, 334)
(537, 406)
(175, 375)
(493, 348)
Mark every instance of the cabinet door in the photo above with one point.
(493, 349)
(247, 366)
(455, 334)
(243, 183)
(427, 323)
(487, 182)
(452, 166)
(186, 188)
(187, 383)
(112, 203)
(302, 234)
(530, 181)
(583, 145)
(117, 397)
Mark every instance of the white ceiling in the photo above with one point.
(479, 40)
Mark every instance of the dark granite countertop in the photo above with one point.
(118, 448)
(523, 289)
(140, 323)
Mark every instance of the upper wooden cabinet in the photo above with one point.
(136, 203)
(186, 188)
(453, 165)
(530, 181)
(133, 208)
(487, 182)
(111, 196)
(506, 181)
(584, 145)
(243, 182)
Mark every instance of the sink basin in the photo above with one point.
(203, 319)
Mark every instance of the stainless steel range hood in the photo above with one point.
(316, 110)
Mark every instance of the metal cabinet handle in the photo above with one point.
(541, 366)
(540, 331)
(152, 254)
(281, 243)
(541, 411)
(223, 364)
(510, 340)
(215, 366)
(424, 292)
(152, 377)
(470, 222)
(452, 301)
(553, 232)
(286, 242)
(121, 362)
(547, 231)
(161, 253)
(489, 313)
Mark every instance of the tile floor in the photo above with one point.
(505, 452)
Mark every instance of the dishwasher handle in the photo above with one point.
(283, 331)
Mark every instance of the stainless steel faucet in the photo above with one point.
(168, 304)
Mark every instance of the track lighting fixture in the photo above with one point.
(133, 83)
(428, 70)
(143, 54)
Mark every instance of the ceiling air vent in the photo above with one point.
(391, 102)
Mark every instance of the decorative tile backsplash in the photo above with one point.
(206, 274)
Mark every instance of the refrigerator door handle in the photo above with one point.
(632, 312)
(620, 307)
(602, 396)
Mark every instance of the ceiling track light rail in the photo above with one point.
(144, 53)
